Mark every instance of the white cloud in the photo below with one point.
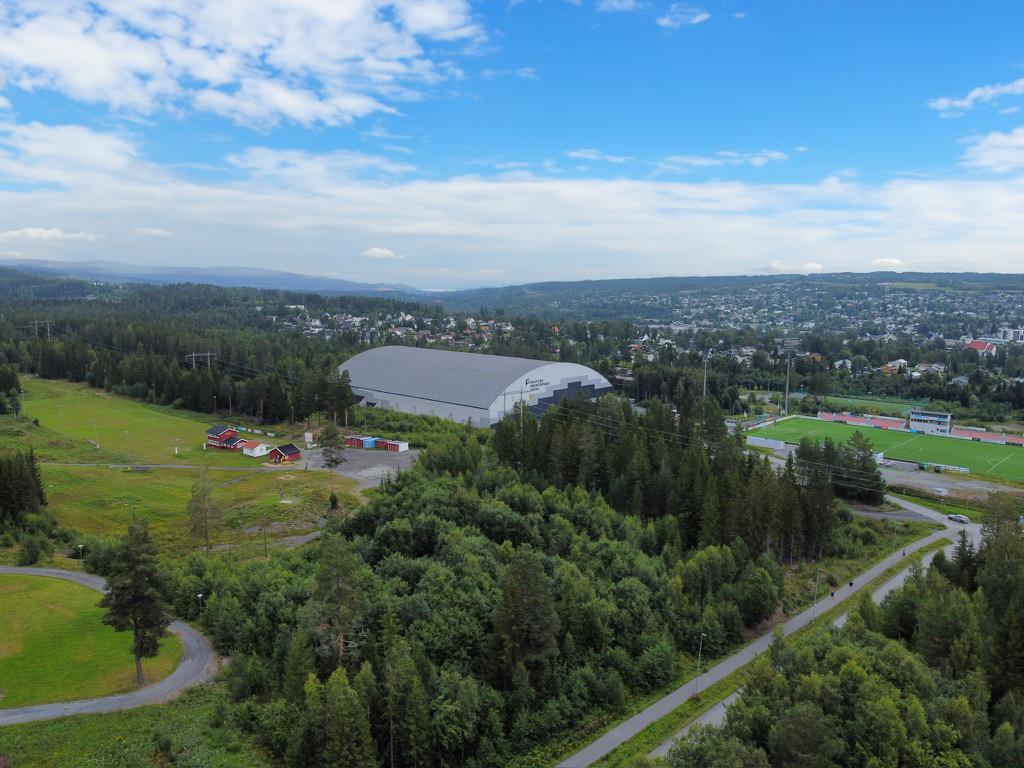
(739, 15)
(533, 225)
(381, 253)
(36, 233)
(1000, 152)
(725, 157)
(951, 106)
(799, 149)
(397, 148)
(255, 63)
(680, 15)
(511, 166)
(5, 103)
(777, 265)
(528, 72)
(1008, 110)
(153, 232)
(618, 5)
(593, 154)
(888, 263)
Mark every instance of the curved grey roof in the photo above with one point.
(433, 374)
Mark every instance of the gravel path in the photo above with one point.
(197, 665)
(664, 706)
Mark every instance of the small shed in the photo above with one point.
(370, 442)
(355, 441)
(287, 452)
(394, 446)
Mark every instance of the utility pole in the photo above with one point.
(193, 355)
(789, 366)
(47, 323)
(700, 652)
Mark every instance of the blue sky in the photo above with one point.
(450, 144)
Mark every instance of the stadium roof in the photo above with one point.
(433, 374)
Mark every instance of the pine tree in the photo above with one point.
(135, 594)
(332, 448)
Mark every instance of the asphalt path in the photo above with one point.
(197, 665)
(668, 704)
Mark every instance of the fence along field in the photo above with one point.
(1003, 461)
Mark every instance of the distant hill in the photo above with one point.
(247, 277)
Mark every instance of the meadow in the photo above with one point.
(126, 431)
(93, 491)
(101, 500)
(1000, 461)
(55, 648)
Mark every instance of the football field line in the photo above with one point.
(992, 469)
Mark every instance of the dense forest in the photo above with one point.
(934, 677)
(477, 608)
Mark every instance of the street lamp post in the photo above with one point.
(128, 443)
(700, 652)
(200, 596)
(706, 358)
(60, 409)
(95, 435)
(81, 547)
(814, 608)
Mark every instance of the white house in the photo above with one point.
(255, 448)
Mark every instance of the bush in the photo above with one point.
(32, 548)
(333, 499)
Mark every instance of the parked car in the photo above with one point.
(962, 519)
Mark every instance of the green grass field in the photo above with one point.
(866, 405)
(53, 646)
(1001, 461)
(76, 413)
(101, 500)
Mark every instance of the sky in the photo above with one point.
(454, 144)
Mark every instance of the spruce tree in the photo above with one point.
(135, 594)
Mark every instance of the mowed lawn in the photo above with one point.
(54, 647)
(101, 500)
(1006, 461)
(125, 429)
(885, 407)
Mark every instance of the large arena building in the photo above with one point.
(461, 386)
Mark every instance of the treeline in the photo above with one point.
(934, 677)
(850, 467)
(142, 341)
(686, 473)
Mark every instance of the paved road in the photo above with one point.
(629, 728)
(197, 665)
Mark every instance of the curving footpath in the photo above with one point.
(197, 665)
(631, 727)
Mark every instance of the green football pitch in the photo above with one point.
(1006, 461)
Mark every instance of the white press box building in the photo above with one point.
(462, 386)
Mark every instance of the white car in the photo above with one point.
(962, 519)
